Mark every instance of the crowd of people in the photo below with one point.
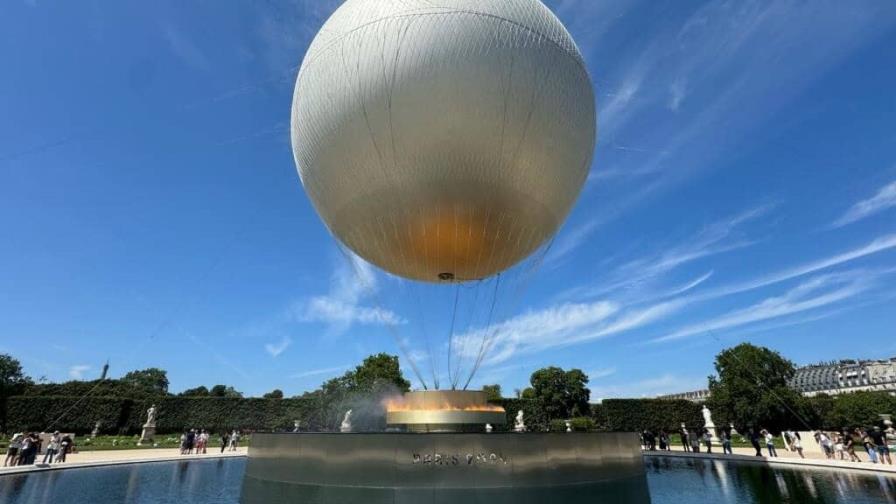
(195, 441)
(841, 445)
(25, 447)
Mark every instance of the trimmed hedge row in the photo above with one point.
(635, 415)
(126, 416)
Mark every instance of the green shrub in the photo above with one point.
(635, 415)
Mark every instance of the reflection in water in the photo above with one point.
(671, 480)
(677, 480)
(193, 482)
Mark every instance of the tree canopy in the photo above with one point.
(199, 391)
(561, 394)
(750, 390)
(150, 378)
(274, 394)
(492, 392)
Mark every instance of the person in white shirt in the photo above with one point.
(52, 448)
(12, 453)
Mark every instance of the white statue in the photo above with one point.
(96, 429)
(295, 425)
(707, 418)
(488, 427)
(519, 425)
(568, 426)
(151, 416)
(346, 422)
(709, 425)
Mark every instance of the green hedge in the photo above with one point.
(126, 416)
(635, 415)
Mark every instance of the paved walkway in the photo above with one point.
(116, 457)
(785, 458)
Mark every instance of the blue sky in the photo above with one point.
(743, 189)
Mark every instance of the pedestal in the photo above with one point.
(148, 435)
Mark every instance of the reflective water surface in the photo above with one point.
(671, 480)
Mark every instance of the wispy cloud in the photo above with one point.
(883, 200)
(275, 349)
(77, 372)
(184, 47)
(601, 373)
(318, 372)
(558, 326)
(352, 282)
(814, 293)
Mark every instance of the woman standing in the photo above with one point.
(849, 444)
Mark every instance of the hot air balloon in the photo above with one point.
(443, 140)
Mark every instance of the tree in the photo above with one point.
(376, 372)
(492, 392)
(274, 394)
(199, 391)
(561, 394)
(224, 391)
(154, 379)
(12, 382)
(751, 390)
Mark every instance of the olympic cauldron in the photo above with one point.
(440, 454)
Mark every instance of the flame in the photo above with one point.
(399, 404)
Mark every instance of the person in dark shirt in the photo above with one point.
(225, 440)
(754, 440)
(880, 442)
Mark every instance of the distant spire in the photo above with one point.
(105, 370)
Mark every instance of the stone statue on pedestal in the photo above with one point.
(96, 429)
(149, 428)
(346, 422)
(519, 425)
(295, 425)
(488, 427)
(709, 425)
(568, 426)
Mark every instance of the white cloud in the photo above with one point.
(318, 372)
(77, 372)
(677, 91)
(601, 373)
(275, 349)
(880, 244)
(353, 281)
(558, 326)
(883, 200)
(814, 293)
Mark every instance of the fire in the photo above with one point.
(398, 404)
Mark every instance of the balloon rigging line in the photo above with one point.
(488, 324)
(522, 287)
(451, 338)
(389, 326)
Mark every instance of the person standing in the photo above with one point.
(707, 439)
(12, 453)
(880, 443)
(225, 441)
(754, 440)
(695, 438)
(870, 449)
(849, 444)
(664, 440)
(796, 443)
(827, 446)
(726, 442)
(234, 440)
(52, 448)
(685, 442)
(769, 443)
(65, 446)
